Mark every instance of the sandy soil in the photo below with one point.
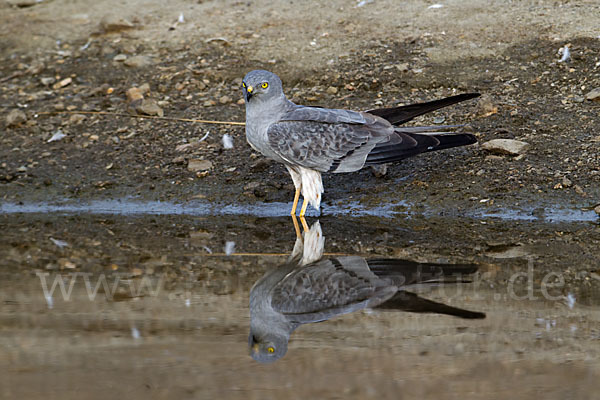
(380, 54)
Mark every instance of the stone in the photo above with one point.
(47, 81)
(597, 209)
(199, 165)
(145, 88)
(486, 106)
(76, 119)
(120, 57)
(379, 170)
(594, 95)
(506, 146)
(225, 99)
(62, 83)
(112, 23)
(15, 117)
(402, 67)
(134, 94)
(138, 61)
(510, 251)
(332, 90)
(150, 107)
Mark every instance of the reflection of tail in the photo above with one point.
(410, 302)
(405, 272)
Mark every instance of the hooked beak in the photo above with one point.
(248, 93)
(255, 348)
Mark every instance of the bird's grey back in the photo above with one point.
(329, 287)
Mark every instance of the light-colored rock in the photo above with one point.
(120, 57)
(47, 80)
(145, 88)
(112, 23)
(486, 106)
(149, 107)
(62, 83)
(76, 119)
(402, 67)
(15, 117)
(514, 251)
(138, 61)
(594, 95)
(199, 165)
(597, 210)
(332, 90)
(506, 146)
(134, 94)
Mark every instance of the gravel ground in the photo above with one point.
(93, 97)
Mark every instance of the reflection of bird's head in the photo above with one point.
(260, 84)
(268, 348)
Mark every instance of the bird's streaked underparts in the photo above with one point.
(312, 140)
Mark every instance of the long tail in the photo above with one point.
(408, 142)
(410, 302)
(406, 272)
(402, 114)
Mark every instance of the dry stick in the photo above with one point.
(202, 121)
(263, 254)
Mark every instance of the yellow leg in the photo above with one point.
(304, 224)
(296, 227)
(295, 205)
(304, 205)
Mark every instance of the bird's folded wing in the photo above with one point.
(327, 115)
(327, 140)
(329, 287)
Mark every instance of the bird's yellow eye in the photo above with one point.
(243, 85)
(264, 85)
(270, 349)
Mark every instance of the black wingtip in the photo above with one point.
(402, 114)
(411, 302)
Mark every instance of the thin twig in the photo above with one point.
(261, 254)
(201, 121)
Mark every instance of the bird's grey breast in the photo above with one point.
(258, 119)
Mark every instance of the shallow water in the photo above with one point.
(155, 304)
(550, 213)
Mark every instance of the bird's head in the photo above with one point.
(268, 348)
(261, 85)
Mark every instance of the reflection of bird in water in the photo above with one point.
(309, 288)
